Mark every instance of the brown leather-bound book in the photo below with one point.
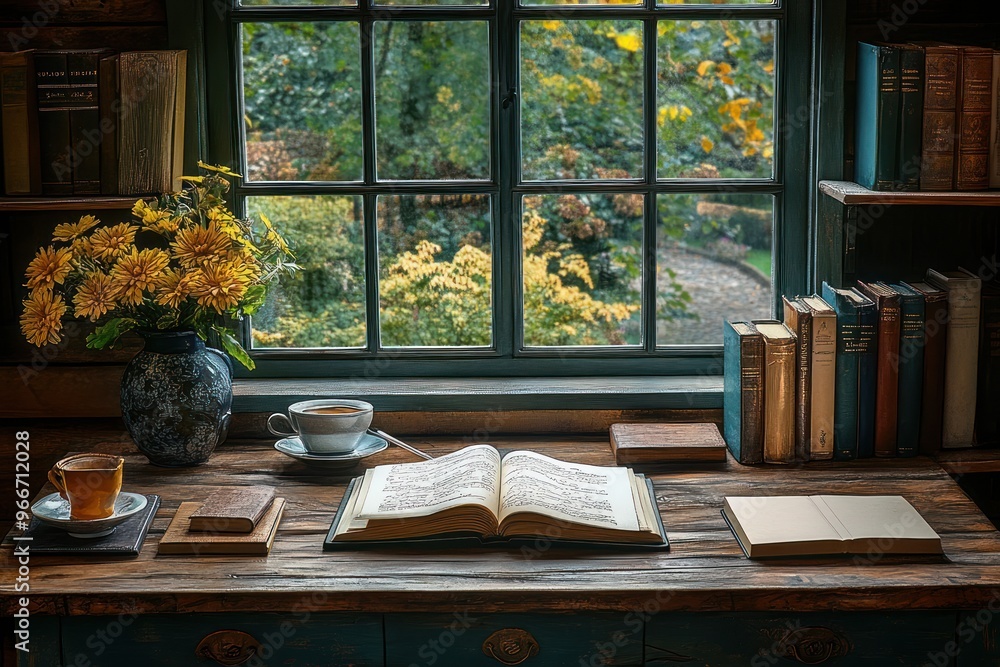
(109, 100)
(234, 509)
(887, 378)
(935, 345)
(180, 539)
(798, 318)
(666, 443)
(937, 165)
(975, 106)
(19, 108)
(779, 391)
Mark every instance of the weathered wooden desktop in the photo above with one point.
(702, 603)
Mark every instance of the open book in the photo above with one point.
(477, 492)
(824, 525)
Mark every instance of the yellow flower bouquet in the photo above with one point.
(198, 267)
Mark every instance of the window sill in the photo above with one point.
(488, 394)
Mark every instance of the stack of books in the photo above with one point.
(882, 369)
(232, 520)
(927, 117)
(91, 122)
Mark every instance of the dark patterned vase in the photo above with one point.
(177, 396)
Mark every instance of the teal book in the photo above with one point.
(867, 375)
(851, 345)
(911, 369)
(876, 129)
(911, 117)
(743, 397)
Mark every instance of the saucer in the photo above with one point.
(368, 445)
(53, 510)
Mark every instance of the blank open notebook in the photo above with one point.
(823, 525)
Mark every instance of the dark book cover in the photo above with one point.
(868, 318)
(935, 346)
(975, 108)
(988, 401)
(85, 121)
(19, 119)
(798, 318)
(109, 105)
(876, 129)
(911, 116)
(55, 146)
(911, 369)
(851, 344)
(125, 541)
(743, 397)
(887, 305)
(937, 165)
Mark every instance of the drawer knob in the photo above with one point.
(228, 647)
(510, 646)
(813, 645)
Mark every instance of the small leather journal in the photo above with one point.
(235, 509)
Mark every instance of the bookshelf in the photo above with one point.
(27, 204)
(852, 194)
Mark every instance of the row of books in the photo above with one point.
(876, 370)
(90, 122)
(927, 117)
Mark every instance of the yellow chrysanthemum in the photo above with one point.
(197, 245)
(48, 268)
(218, 169)
(69, 231)
(110, 243)
(173, 287)
(220, 286)
(136, 272)
(41, 321)
(94, 297)
(274, 237)
(158, 221)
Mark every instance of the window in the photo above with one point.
(522, 189)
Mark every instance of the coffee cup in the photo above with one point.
(325, 426)
(90, 482)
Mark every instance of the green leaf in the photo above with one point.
(169, 321)
(108, 333)
(254, 299)
(233, 348)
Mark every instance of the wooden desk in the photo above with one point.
(702, 603)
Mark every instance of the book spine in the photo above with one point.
(866, 115)
(54, 102)
(887, 376)
(987, 414)
(961, 365)
(995, 126)
(109, 104)
(845, 420)
(824, 377)
(779, 403)
(18, 106)
(867, 378)
(85, 122)
(911, 92)
(801, 325)
(973, 122)
(743, 396)
(937, 164)
(911, 375)
(932, 395)
(887, 131)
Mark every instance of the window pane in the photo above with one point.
(323, 304)
(304, 3)
(582, 268)
(435, 270)
(715, 99)
(420, 3)
(581, 2)
(581, 99)
(713, 264)
(302, 101)
(432, 99)
(719, 2)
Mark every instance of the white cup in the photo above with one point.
(325, 425)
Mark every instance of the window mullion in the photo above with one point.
(368, 159)
(508, 330)
(648, 298)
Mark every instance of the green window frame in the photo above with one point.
(508, 357)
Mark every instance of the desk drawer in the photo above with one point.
(856, 639)
(264, 639)
(468, 639)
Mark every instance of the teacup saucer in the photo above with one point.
(53, 510)
(368, 445)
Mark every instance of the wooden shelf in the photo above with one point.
(95, 203)
(852, 194)
(972, 460)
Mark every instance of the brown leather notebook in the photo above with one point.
(935, 345)
(234, 509)
(975, 106)
(179, 539)
(937, 165)
(887, 382)
(666, 443)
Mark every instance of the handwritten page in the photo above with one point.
(470, 476)
(590, 495)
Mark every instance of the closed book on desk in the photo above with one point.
(180, 539)
(911, 369)
(779, 391)
(798, 318)
(937, 167)
(961, 355)
(877, 124)
(823, 371)
(887, 365)
(988, 410)
(975, 104)
(666, 443)
(743, 396)
(235, 509)
(19, 110)
(935, 339)
(768, 526)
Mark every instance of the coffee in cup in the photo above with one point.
(90, 482)
(325, 426)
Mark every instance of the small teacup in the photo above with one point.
(90, 482)
(326, 425)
